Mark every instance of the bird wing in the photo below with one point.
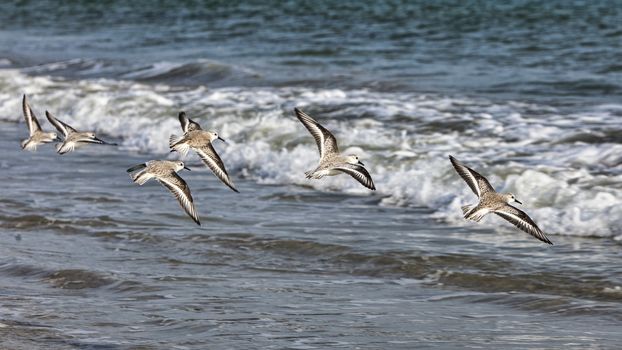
(325, 141)
(188, 124)
(521, 220)
(359, 173)
(63, 128)
(89, 139)
(212, 160)
(31, 119)
(478, 184)
(181, 191)
(137, 167)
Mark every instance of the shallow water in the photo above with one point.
(88, 261)
(91, 261)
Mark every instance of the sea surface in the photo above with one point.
(529, 93)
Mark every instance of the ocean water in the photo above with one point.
(527, 93)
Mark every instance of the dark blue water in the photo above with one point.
(554, 50)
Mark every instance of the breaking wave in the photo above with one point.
(565, 166)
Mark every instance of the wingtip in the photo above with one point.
(299, 113)
(25, 106)
(542, 236)
(181, 114)
(455, 162)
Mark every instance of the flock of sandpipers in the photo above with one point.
(331, 163)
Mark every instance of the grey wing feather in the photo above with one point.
(63, 128)
(180, 189)
(90, 140)
(478, 184)
(326, 142)
(212, 160)
(35, 121)
(137, 167)
(29, 115)
(188, 124)
(521, 220)
(359, 173)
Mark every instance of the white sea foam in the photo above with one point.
(569, 188)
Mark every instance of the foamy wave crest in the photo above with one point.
(566, 168)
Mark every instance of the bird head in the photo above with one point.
(354, 159)
(509, 198)
(54, 136)
(180, 165)
(214, 136)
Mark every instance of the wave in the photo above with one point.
(65, 279)
(475, 273)
(565, 166)
(193, 72)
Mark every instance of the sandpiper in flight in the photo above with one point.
(490, 201)
(165, 171)
(37, 135)
(73, 138)
(331, 161)
(201, 142)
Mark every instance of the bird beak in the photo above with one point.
(187, 168)
(517, 201)
(221, 139)
(361, 163)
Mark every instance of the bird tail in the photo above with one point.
(466, 209)
(66, 146)
(314, 174)
(176, 144)
(474, 213)
(139, 177)
(29, 146)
